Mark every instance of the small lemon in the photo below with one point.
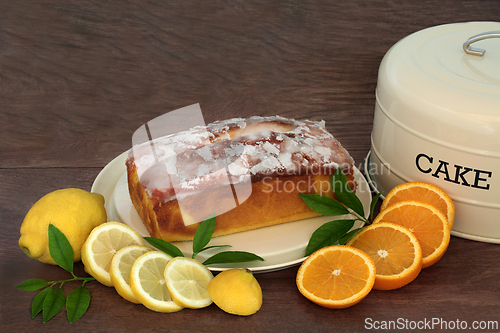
(73, 211)
(236, 291)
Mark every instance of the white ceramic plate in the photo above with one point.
(281, 246)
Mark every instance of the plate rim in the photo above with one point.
(111, 178)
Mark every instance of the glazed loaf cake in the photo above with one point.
(248, 172)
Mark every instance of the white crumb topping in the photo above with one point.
(260, 146)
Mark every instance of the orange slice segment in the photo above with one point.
(429, 225)
(395, 251)
(422, 192)
(336, 276)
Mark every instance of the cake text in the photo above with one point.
(457, 174)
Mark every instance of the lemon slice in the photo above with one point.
(148, 284)
(187, 281)
(121, 265)
(102, 244)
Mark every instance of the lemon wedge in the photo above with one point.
(236, 291)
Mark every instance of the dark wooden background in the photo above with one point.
(77, 78)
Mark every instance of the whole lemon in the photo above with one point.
(73, 211)
(236, 291)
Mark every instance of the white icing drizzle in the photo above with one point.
(259, 146)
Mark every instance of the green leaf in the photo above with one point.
(203, 234)
(344, 193)
(50, 301)
(77, 303)
(229, 257)
(349, 235)
(37, 304)
(324, 205)
(328, 234)
(60, 249)
(53, 303)
(213, 247)
(32, 285)
(165, 246)
(373, 204)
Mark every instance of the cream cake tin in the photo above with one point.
(437, 120)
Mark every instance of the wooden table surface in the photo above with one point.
(77, 78)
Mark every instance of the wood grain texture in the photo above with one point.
(77, 78)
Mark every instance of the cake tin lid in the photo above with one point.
(430, 84)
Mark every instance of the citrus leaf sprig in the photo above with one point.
(50, 300)
(201, 239)
(337, 231)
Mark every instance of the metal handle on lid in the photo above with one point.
(476, 51)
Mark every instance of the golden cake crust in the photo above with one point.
(280, 158)
(269, 204)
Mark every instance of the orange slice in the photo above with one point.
(395, 251)
(336, 276)
(429, 225)
(422, 192)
